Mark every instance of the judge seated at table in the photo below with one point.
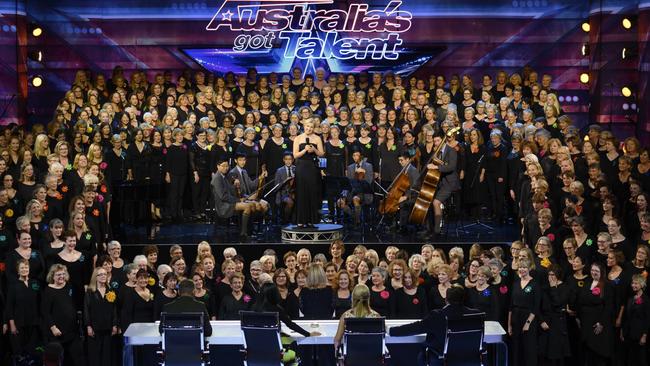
(186, 304)
(435, 324)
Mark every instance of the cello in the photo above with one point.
(400, 185)
(429, 185)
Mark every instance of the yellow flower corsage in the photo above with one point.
(110, 296)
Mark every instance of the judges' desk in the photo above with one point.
(228, 333)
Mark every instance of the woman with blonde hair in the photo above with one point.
(316, 297)
(360, 309)
(100, 317)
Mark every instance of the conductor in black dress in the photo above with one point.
(307, 148)
(435, 324)
(187, 304)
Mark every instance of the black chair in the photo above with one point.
(364, 342)
(183, 341)
(463, 342)
(262, 344)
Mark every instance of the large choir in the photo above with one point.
(272, 148)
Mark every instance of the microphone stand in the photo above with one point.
(478, 222)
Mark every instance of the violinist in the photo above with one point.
(285, 197)
(247, 187)
(360, 174)
(408, 199)
(226, 200)
(449, 180)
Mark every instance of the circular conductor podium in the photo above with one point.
(320, 234)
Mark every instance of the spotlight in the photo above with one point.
(585, 50)
(36, 81)
(627, 23)
(629, 51)
(584, 78)
(586, 27)
(626, 106)
(36, 30)
(626, 91)
(35, 56)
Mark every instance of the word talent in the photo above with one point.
(316, 34)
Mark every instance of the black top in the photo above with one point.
(636, 318)
(58, 308)
(100, 312)
(485, 300)
(410, 306)
(36, 265)
(22, 302)
(316, 303)
(341, 305)
(230, 306)
(159, 301)
(209, 301)
(382, 301)
(135, 309)
(291, 304)
(176, 160)
(436, 301)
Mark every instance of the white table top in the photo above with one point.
(228, 332)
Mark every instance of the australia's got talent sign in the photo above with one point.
(312, 29)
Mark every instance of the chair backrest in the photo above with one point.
(464, 341)
(262, 342)
(363, 341)
(183, 341)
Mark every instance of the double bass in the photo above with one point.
(429, 185)
(398, 188)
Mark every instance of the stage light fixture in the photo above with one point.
(585, 49)
(626, 91)
(36, 30)
(586, 27)
(629, 52)
(584, 78)
(627, 23)
(36, 81)
(35, 56)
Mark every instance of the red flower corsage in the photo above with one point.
(58, 196)
(103, 188)
(551, 236)
(96, 212)
(415, 301)
(45, 207)
(545, 204)
(491, 126)
(595, 291)
(64, 189)
(420, 280)
(497, 154)
(384, 294)
(638, 301)
(103, 165)
(503, 289)
(165, 151)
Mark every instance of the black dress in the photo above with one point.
(485, 300)
(523, 302)
(382, 301)
(316, 303)
(436, 301)
(79, 272)
(22, 308)
(308, 189)
(100, 313)
(230, 307)
(291, 305)
(341, 305)
(554, 342)
(159, 301)
(596, 307)
(636, 320)
(135, 309)
(58, 308)
(473, 189)
(410, 306)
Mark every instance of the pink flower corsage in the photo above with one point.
(103, 165)
(503, 289)
(384, 294)
(595, 291)
(247, 299)
(638, 301)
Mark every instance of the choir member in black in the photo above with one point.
(252, 151)
(381, 297)
(495, 174)
(227, 201)
(138, 161)
(523, 318)
(199, 159)
(474, 179)
(342, 293)
(288, 299)
(25, 251)
(115, 174)
(166, 295)
(156, 174)
(360, 175)
(79, 267)
(118, 276)
(137, 306)
(316, 299)
(100, 318)
(411, 299)
(284, 198)
(54, 242)
(203, 295)
(636, 320)
(502, 285)
(483, 296)
(554, 338)
(307, 148)
(336, 153)
(176, 167)
(22, 313)
(59, 315)
(438, 294)
(269, 301)
(585, 243)
(388, 159)
(275, 147)
(235, 301)
(595, 307)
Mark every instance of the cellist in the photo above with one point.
(246, 186)
(449, 180)
(408, 199)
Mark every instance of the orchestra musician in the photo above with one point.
(408, 199)
(285, 196)
(226, 199)
(247, 187)
(449, 180)
(360, 174)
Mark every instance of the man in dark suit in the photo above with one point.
(449, 180)
(407, 201)
(435, 324)
(360, 175)
(284, 198)
(186, 304)
(225, 198)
